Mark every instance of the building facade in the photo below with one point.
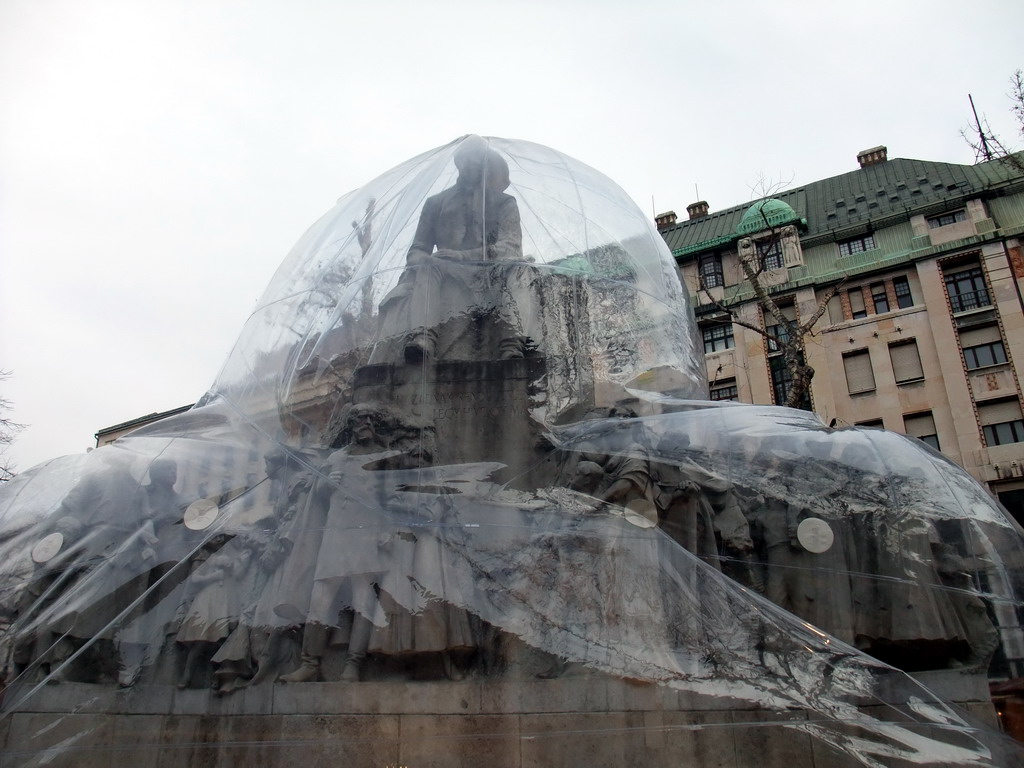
(924, 333)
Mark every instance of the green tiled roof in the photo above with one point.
(837, 207)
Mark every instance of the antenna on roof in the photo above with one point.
(983, 148)
(654, 211)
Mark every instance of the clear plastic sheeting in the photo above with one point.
(456, 497)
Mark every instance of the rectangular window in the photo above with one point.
(906, 362)
(856, 245)
(945, 219)
(967, 290)
(982, 347)
(879, 298)
(901, 286)
(984, 355)
(922, 426)
(873, 423)
(857, 307)
(710, 270)
(717, 337)
(859, 376)
(782, 378)
(770, 253)
(724, 390)
(835, 309)
(1001, 422)
(778, 334)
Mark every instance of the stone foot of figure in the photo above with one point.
(451, 669)
(358, 643)
(58, 675)
(265, 662)
(126, 678)
(191, 662)
(314, 643)
(555, 670)
(262, 674)
(226, 687)
(308, 671)
(350, 674)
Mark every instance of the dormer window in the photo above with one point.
(709, 268)
(857, 245)
(769, 253)
(945, 219)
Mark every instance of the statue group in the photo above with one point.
(472, 467)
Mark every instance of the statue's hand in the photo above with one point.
(740, 544)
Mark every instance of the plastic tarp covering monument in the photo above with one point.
(458, 496)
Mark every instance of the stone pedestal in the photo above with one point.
(588, 720)
(479, 410)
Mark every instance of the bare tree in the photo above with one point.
(9, 429)
(791, 337)
(984, 141)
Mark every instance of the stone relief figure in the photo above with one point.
(424, 621)
(213, 604)
(279, 598)
(815, 586)
(163, 506)
(685, 512)
(100, 570)
(982, 635)
(462, 232)
(913, 622)
(162, 529)
(622, 477)
(350, 559)
(616, 473)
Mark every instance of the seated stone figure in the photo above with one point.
(460, 231)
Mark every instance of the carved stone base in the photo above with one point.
(585, 720)
(479, 410)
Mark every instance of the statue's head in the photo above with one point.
(163, 472)
(275, 461)
(478, 163)
(365, 424)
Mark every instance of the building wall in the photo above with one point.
(988, 235)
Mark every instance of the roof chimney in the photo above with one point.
(872, 156)
(665, 220)
(697, 210)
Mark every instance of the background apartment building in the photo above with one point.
(926, 331)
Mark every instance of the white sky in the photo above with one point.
(158, 158)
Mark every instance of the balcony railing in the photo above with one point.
(962, 302)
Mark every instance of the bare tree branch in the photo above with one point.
(9, 429)
(791, 340)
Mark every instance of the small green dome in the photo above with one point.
(775, 211)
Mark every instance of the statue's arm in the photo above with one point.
(80, 500)
(508, 245)
(425, 239)
(619, 492)
(508, 241)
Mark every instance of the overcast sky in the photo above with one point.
(158, 158)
